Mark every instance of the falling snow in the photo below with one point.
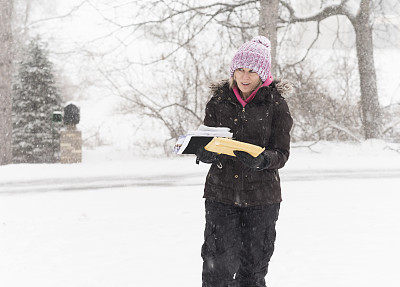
(138, 222)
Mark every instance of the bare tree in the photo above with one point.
(362, 24)
(196, 40)
(192, 44)
(6, 39)
(319, 115)
(268, 23)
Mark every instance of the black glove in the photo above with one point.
(259, 162)
(205, 156)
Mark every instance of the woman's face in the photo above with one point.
(247, 80)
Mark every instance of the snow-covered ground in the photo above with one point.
(124, 221)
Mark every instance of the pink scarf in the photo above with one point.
(267, 82)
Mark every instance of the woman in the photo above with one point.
(243, 193)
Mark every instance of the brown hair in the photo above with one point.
(232, 83)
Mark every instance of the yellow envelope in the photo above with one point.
(227, 146)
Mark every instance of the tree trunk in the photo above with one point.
(268, 22)
(371, 111)
(6, 9)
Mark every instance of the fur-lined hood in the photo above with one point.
(284, 87)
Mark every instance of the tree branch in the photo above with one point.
(338, 9)
(224, 8)
(73, 10)
(345, 130)
(182, 107)
(309, 48)
(307, 146)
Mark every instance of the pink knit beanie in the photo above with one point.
(254, 55)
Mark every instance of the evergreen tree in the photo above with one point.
(35, 98)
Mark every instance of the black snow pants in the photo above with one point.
(238, 244)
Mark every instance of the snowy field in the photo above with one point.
(118, 221)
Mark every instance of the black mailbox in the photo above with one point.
(57, 117)
(71, 115)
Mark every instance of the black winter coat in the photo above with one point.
(266, 122)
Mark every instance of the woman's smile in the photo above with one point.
(247, 81)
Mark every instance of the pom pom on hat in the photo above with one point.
(254, 55)
(262, 40)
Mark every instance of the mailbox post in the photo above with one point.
(71, 137)
(56, 119)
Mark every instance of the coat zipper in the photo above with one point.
(242, 171)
